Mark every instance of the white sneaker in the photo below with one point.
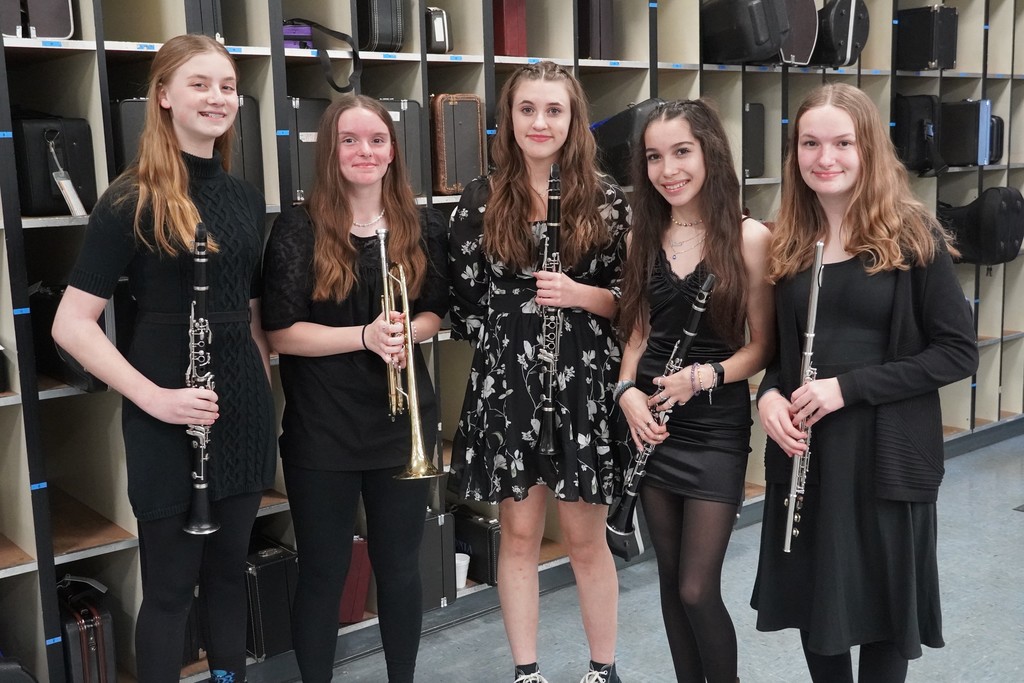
(531, 678)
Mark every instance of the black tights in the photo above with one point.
(172, 563)
(880, 662)
(690, 538)
(323, 506)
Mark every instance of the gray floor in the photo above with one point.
(981, 559)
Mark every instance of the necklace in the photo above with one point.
(369, 223)
(685, 225)
(677, 252)
(688, 239)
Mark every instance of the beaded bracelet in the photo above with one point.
(621, 388)
(694, 387)
(413, 326)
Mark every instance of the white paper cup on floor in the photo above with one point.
(461, 569)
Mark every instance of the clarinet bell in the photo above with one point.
(620, 531)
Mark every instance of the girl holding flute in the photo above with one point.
(892, 327)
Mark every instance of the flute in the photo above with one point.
(798, 477)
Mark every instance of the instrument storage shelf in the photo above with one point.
(63, 500)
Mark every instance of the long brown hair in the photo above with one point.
(723, 218)
(507, 234)
(160, 179)
(334, 257)
(883, 221)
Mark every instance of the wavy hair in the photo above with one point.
(507, 235)
(720, 208)
(334, 256)
(883, 221)
(159, 180)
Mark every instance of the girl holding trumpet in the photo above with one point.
(500, 297)
(687, 224)
(322, 312)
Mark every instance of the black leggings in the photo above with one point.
(690, 537)
(323, 506)
(879, 662)
(172, 563)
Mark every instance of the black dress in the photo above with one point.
(159, 456)
(705, 455)
(863, 568)
(336, 407)
(495, 446)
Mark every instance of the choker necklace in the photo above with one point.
(677, 252)
(685, 225)
(369, 223)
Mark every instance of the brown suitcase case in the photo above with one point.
(510, 28)
(457, 140)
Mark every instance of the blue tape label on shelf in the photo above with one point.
(21, 311)
(37, 487)
(52, 43)
(390, 55)
(6, 134)
(235, 50)
(283, 133)
(676, 65)
(533, 60)
(455, 58)
(492, 131)
(54, 641)
(785, 122)
(146, 47)
(614, 62)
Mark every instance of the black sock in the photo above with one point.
(526, 669)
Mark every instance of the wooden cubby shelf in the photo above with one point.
(61, 456)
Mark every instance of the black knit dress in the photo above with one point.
(159, 456)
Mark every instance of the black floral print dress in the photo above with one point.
(495, 447)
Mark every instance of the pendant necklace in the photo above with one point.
(677, 252)
(369, 223)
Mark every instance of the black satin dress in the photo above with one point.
(705, 455)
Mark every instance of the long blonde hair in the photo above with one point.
(334, 257)
(884, 220)
(508, 237)
(159, 180)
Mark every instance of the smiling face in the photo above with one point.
(202, 99)
(541, 114)
(365, 149)
(675, 165)
(827, 153)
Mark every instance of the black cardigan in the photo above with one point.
(931, 343)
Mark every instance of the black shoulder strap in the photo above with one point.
(325, 62)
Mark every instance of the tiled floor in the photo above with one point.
(981, 559)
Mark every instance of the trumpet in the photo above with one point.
(552, 322)
(798, 477)
(400, 399)
(198, 375)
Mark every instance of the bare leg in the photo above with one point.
(522, 528)
(583, 529)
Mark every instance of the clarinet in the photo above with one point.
(620, 532)
(198, 375)
(798, 478)
(552, 321)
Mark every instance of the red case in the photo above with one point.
(357, 584)
(510, 28)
